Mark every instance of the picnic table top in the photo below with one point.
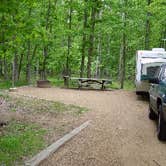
(93, 79)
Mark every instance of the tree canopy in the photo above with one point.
(86, 38)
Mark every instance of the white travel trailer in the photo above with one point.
(147, 62)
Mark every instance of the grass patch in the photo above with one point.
(114, 85)
(56, 82)
(5, 84)
(18, 140)
(60, 82)
(128, 85)
(8, 84)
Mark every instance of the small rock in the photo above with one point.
(13, 90)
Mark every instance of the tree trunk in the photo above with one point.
(45, 54)
(91, 42)
(37, 69)
(28, 67)
(34, 52)
(98, 60)
(45, 49)
(1, 68)
(20, 66)
(14, 69)
(2, 43)
(99, 50)
(83, 41)
(69, 39)
(122, 58)
(13, 75)
(4, 62)
(5, 67)
(162, 41)
(147, 29)
(109, 52)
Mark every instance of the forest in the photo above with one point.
(84, 38)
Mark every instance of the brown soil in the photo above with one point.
(120, 133)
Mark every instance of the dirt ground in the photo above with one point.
(120, 133)
(55, 117)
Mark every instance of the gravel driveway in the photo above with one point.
(120, 133)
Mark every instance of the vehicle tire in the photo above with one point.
(138, 93)
(161, 128)
(152, 115)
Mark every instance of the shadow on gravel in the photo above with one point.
(144, 97)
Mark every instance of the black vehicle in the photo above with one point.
(157, 104)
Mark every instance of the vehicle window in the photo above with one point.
(157, 73)
(163, 77)
(152, 70)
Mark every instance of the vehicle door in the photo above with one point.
(153, 92)
(162, 86)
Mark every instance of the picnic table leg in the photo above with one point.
(79, 84)
(66, 81)
(103, 87)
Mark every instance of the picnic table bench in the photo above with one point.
(88, 81)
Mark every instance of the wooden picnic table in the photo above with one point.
(89, 81)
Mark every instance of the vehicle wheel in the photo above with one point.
(152, 115)
(161, 128)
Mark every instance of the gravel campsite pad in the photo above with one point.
(120, 132)
(28, 125)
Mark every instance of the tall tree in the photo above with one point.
(91, 36)
(69, 20)
(28, 66)
(99, 49)
(147, 28)
(45, 49)
(84, 39)
(122, 58)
